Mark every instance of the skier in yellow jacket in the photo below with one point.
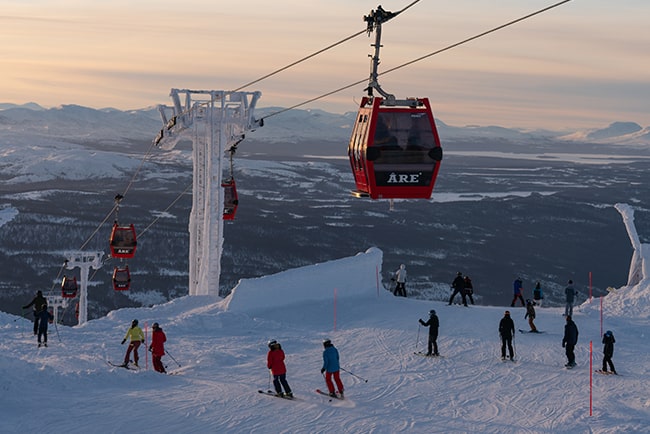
(137, 337)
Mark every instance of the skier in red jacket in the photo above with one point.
(275, 362)
(157, 347)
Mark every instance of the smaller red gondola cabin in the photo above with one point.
(230, 199)
(121, 278)
(69, 287)
(395, 150)
(123, 241)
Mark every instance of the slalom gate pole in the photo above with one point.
(354, 375)
(591, 378)
(334, 309)
(167, 352)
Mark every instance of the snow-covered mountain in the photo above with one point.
(216, 351)
(291, 126)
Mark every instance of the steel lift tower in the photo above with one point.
(214, 121)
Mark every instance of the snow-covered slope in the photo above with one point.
(219, 358)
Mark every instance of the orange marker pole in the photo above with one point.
(334, 309)
(591, 378)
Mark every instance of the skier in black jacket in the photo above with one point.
(506, 331)
(569, 341)
(433, 325)
(459, 287)
(36, 304)
(608, 351)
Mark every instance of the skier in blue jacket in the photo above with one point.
(331, 368)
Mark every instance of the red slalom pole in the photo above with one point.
(334, 309)
(591, 378)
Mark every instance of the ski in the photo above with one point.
(600, 371)
(328, 395)
(272, 393)
(129, 367)
(420, 353)
(530, 331)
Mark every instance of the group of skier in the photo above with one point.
(331, 370)
(135, 335)
(42, 317)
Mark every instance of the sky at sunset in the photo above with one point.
(583, 64)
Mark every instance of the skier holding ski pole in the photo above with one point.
(354, 375)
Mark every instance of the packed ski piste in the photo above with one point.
(336, 352)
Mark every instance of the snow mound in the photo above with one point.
(346, 277)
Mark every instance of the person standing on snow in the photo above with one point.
(459, 288)
(518, 290)
(43, 317)
(275, 362)
(400, 278)
(433, 323)
(506, 331)
(157, 347)
(331, 368)
(569, 341)
(530, 314)
(137, 337)
(608, 351)
(570, 294)
(538, 294)
(469, 289)
(37, 302)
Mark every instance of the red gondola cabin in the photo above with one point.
(123, 241)
(69, 287)
(121, 278)
(230, 199)
(395, 150)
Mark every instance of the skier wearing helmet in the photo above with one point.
(157, 347)
(433, 325)
(275, 362)
(331, 368)
(137, 337)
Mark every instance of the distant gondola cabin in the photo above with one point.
(123, 241)
(69, 287)
(230, 199)
(121, 278)
(395, 150)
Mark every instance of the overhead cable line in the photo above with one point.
(284, 68)
(449, 47)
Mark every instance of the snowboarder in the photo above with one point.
(570, 294)
(506, 331)
(570, 340)
(137, 337)
(275, 362)
(433, 323)
(157, 347)
(37, 302)
(469, 289)
(459, 288)
(518, 290)
(331, 368)
(43, 318)
(538, 294)
(400, 278)
(530, 314)
(608, 351)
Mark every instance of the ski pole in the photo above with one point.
(354, 375)
(57, 331)
(417, 340)
(269, 386)
(167, 352)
